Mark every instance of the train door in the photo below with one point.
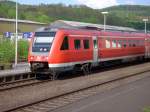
(147, 47)
(95, 50)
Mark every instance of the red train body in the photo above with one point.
(65, 49)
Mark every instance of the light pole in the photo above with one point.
(104, 13)
(16, 39)
(145, 20)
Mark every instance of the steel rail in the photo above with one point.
(96, 82)
(62, 100)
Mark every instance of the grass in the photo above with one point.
(147, 109)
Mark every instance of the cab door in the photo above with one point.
(95, 49)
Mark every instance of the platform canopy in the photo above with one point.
(82, 25)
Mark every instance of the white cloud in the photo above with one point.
(130, 2)
(98, 4)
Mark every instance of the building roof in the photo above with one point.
(82, 25)
(21, 21)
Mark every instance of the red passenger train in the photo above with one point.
(53, 51)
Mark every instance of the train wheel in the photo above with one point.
(32, 69)
(86, 68)
(40, 76)
(54, 75)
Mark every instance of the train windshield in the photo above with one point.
(43, 41)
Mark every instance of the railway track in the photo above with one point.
(15, 77)
(25, 79)
(21, 83)
(18, 84)
(12, 81)
(60, 101)
(61, 97)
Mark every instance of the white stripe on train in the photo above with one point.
(90, 61)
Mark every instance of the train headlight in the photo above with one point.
(45, 49)
(31, 58)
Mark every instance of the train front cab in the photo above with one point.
(49, 55)
(39, 51)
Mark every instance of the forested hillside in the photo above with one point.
(132, 14)
(125, 15)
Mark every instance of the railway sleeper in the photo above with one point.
(16, 78)
(1, 80)
(1, 67)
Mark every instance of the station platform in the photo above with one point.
(21, 68)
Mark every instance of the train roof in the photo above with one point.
(73, 25)
(90, 26)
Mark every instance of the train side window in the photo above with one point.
(107, 43)
(86, 44)
(119, 43)
(77, 44)
(125, 43)
(141, 43)
(65, 44)
(138, 42)
(114, 44)
(129, 43)
(95, 44)
(133, 43)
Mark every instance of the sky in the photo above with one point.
(95, 4)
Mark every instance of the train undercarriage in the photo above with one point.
(42, 69)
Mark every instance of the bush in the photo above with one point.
(23, 46)
(147, 109)
(7, 50)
